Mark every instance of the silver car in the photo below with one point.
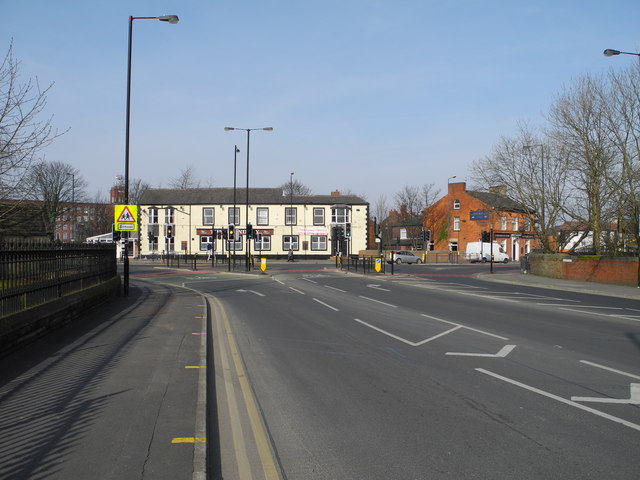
(405, 256)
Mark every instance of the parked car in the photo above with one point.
(481, 252)
(404, 256)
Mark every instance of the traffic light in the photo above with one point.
(258, 237)
(232, 232)
(150, 236)
(249, 231)
(347, 229)
(115, 236)
(486, 236)
(169, 231)
(427, 235)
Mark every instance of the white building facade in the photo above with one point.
(198, 220)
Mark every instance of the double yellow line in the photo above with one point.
(241, 405)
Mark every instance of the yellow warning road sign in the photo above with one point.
(125, 218)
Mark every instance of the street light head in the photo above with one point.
(610, 52)
(173, 19)
(226, 129)
(268, 129)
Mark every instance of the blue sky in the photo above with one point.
(363, 95)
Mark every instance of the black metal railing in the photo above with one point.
(35, 273)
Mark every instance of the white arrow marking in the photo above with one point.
(252, 291)
(634, 397)
(504, 351)
(378, 287)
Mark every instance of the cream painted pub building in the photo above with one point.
(198, 220)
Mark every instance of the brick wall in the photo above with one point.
(613, 270)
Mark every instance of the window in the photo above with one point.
(318, 216)
(503, 223)
(340, 215)
(153, 215)
(456, 204)
(319, 242)
(263, 243)
(234, 216)
(290, 216)
(208, 217)
(169, 244)
(290, 242)
(527, 224)
(153, 243)
(456, 224)
(403, 234)
(205, 240)
(514, 224)
(168, 214)
(262, 216)
(234, 245)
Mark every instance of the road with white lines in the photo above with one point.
(351, 377)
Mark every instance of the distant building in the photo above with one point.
(461, 216)
(188, 221)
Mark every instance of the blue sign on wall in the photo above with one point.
(479, 215)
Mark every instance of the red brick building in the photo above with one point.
(461, 216)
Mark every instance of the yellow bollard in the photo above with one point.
(263, 264)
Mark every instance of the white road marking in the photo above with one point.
(560, 399)
(464, 326)
(279, 281)
(309, 280)
(251, 291)
(326, 305)
(503, 352)
(297, 291)
(378, 287)
(584, 312)
(586, 362)
(378, 301)
(404, 340)
(595, 306)
(634, 397)
(627, 317)
(335, 288)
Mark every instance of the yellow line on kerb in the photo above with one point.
(264, 451)
(189, 440)
(199, 333)
(195, 366)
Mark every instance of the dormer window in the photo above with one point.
(456, 204)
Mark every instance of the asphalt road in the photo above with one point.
(422, 377)
(313, 373)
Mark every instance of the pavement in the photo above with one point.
(519, 278)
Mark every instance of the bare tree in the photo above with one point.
(299, 188)
(22, 133)
(518, 164)
(410, 203)
(579, 123)
(187, 179)
(58, 186)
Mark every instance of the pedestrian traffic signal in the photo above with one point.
(347, 229)
(169, 231)
(249, 231)
(232, 232)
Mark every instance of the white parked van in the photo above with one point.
(481, 252)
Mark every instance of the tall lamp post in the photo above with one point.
(72, 230)
(164, 18)
(609, 52)
(543, 193)
(236, 150)
(248, 244)
(291, 212)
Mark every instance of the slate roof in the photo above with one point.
(499, 202)
(224, 196)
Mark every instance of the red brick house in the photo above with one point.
(461, 216)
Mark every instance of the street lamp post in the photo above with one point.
(543, 193)
(72, 230)
(248, 244)
(236, 150)
(291, 212)
(164, 18)
(609, 52)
